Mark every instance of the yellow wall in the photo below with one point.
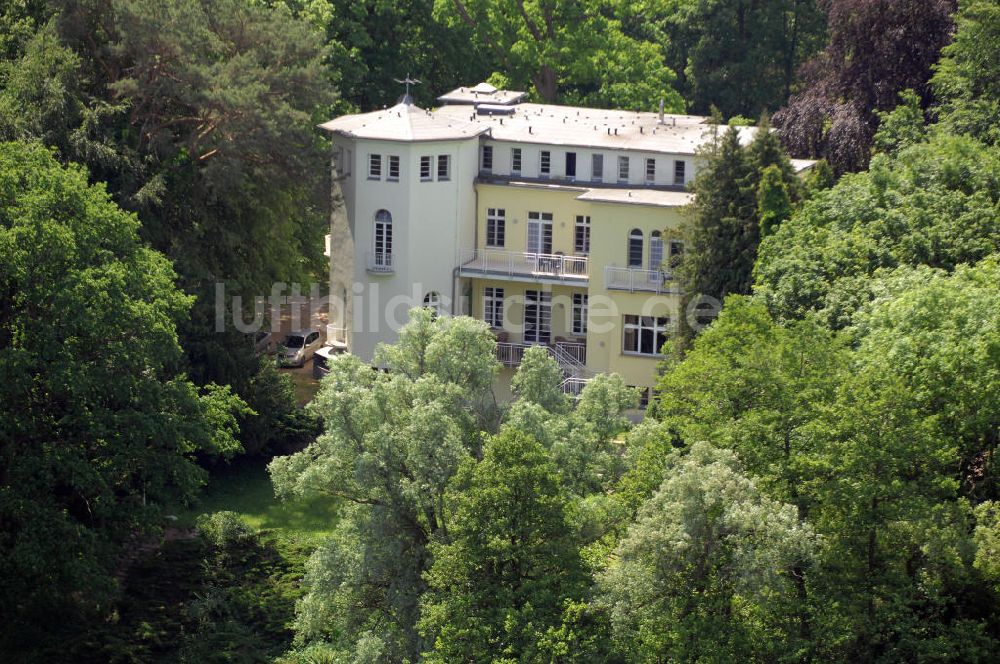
(562, 300)
(517, 201)
(610, 226)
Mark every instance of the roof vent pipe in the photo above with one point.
(529, 129)
(616, 131)
(661, 110)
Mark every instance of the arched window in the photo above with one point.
(635, 248)
(433, 302)
(655, 250)
(382, 257)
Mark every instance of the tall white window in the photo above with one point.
(635, 248)
(393, 168)
(432, 301)
(382, 258)
(487, 161)
(655, 250)
(580, 307)
(679, 171)
(374, 167)
(496, 227)
(515, 160)
(623, 169)
(650, 171)
(540, 232)
(493, 306)
(644, 335)
(581, 236)
(537, 316)
(444, 167)
(425, 168)
(597, 167)
(545, 164)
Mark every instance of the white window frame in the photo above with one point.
(634, 255)
(544, 164)
(650, 170)
(680, 171)
(655, 250)
(581, 230)
(393, 174)
(444, 174)
(486, 162)
(382, 239)
(581, 309)
(496, 227)
(656, 327)
(426, 169)
(515, 160)
(543, 222)
(623, 167)
(540, 302)
(597, 167)
(493, 306)
(432, 301)
(374, 167)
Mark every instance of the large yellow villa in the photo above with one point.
(556, 225)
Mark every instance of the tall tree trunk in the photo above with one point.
(546, 83)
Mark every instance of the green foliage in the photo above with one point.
(704, 572)
(391, 444)
(100, 428)
(566, 51)
(739, 56)
(723, 227)
(966, 78)
(902, 126)
(934, 204)
(773, 203)
(538, 379)
(508, 561)
(224, 529)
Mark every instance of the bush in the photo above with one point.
(224, 529)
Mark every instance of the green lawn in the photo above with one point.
(188, 601)
(246, 488)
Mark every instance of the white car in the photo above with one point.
(298, 347)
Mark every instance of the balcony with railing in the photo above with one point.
(380, 262)
(557, 267)
(572, 354)
(634, 279)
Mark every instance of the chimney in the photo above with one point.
(661, 110)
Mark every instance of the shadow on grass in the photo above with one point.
(245, 488)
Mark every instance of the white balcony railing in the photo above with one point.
(636, 279)
(515, 264)
(380, 262)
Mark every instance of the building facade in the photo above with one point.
(556, 225)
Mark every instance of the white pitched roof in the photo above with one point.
(404, 122)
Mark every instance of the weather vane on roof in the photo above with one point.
(407, 99)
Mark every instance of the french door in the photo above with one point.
(537, 316)
(539, 232)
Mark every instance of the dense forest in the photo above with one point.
(815, 478)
